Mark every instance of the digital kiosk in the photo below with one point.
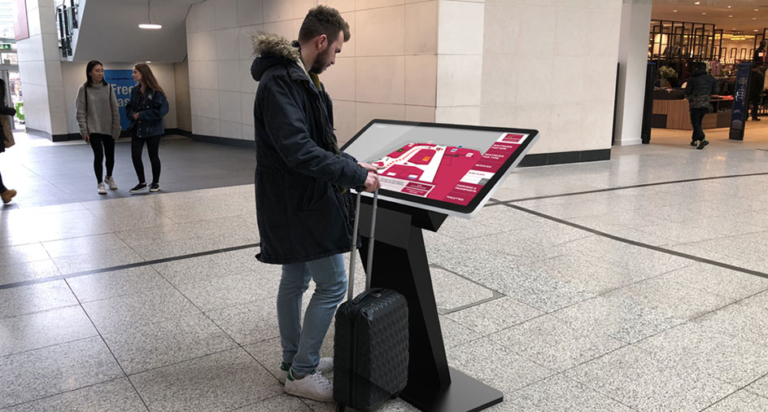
(429, 171)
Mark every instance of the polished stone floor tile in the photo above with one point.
(454, 334)
(759, 387)
(460, 229)
(741, 401)
(82, 245)
(35, 298)
(21, 272)
(635, 379)
(41, 329)
(199, 269)
(586, 273)
(231, 291)
(717, 281)
(116, 395)
(453, 291)
(676, 300)
(559, 394)
(704, 350)
(269, 354)
(49, 371)
(496, 365)
(281, 403)
(619, 318)
(223, 381)
(23, 253)
(155, 345)
(743, 320)
(550, 342)
(250, 322)
(123, 312)
(89, 261)
(494, 316)
(106, 285)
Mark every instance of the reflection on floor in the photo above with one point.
(646, 293)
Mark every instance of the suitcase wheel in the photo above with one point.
(340, 408)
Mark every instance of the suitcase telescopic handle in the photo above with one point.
(350, 291)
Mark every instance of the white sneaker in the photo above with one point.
(102, 189)
(325, 367)
(111, 183)
(314, 386)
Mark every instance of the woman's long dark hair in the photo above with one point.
(88, 69)
(148, 78)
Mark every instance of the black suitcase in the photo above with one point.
(371, 343)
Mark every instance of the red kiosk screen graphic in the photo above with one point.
(452, 174)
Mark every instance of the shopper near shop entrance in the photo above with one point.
(757, 81)
(304, 208)
(699, 91)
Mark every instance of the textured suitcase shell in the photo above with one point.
(371, 349)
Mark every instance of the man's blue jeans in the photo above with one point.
(301, 346)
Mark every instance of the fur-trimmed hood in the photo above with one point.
(270, 50)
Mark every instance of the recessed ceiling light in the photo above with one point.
(754, 18)
(697, 3)
(674, 11)
(703, 14)
(729, 7)
(730, 15)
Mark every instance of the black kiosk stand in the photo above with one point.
(429, 171)
(401, 264)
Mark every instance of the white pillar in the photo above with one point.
(633, 57)
(40, 72)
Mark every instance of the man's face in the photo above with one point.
(327, 57)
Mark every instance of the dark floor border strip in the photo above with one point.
(613, 189)
(639, 244)
(224, 141)
(128, 266)
(560, 158)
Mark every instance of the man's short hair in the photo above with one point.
(323, 20)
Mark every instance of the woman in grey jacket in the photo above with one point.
(99, 119)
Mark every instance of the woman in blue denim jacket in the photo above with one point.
(146, 110)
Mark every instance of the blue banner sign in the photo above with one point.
(740, 102)
(122, 83)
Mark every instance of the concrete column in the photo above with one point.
(633, 57)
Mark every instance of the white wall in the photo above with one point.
(388, 69)
(633, 56)
(73, 74)
(40, 71)
(545, 65)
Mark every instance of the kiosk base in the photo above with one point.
(464, 394)
(400, 263)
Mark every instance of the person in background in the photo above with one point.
(98, 116)
(146, 110)
(304, 207)
(5, 121)
(699, 91)
(756, 83)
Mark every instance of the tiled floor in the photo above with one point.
(647, 293)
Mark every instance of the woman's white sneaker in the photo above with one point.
(102, 189)
(314, 386)
(110, 181)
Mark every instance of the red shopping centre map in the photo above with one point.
(449, 173)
